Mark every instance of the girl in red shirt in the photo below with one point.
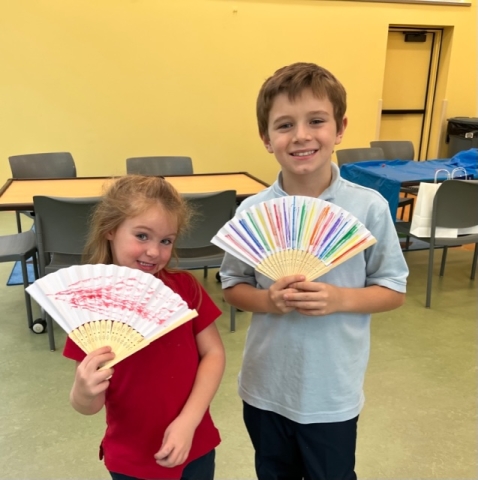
(157, 400)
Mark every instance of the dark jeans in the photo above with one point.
(200, 469)
(287, 450)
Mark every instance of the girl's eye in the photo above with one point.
(142, 236)
(167, 241)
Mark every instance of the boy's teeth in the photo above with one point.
(303, 154)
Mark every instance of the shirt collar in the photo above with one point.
(328, 194)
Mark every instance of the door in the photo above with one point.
(411, 68)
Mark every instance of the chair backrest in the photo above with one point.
(160, 165)
(61, 226)
(212, 211)
(352, 155)
(396, 149)
(43, 165)
(456, 204)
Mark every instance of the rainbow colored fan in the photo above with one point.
(294, 235)
(106, 305)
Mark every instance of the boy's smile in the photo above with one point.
(302, 136)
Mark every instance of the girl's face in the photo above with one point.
(144, 242)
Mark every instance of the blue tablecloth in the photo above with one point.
(387, 176)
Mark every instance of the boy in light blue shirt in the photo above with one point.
(308, 345)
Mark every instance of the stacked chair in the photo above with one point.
(41, 165)
(353, 155)
(163, 166)
(61, 228)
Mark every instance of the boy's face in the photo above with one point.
(303, 134)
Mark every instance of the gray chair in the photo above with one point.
(160, 166)
(194, 248)
(61, 227)
(455, 206)
(19, 248)
(395, 149)
(41, 165)
(352, 155)
(398, 150)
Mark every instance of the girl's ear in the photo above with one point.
(110, 235)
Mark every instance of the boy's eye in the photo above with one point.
(284, 126)
(316, 121)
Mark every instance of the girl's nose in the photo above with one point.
(153, 250)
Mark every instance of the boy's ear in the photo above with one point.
(341, 132)
(267, 144)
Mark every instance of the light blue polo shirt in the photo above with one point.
(311, 369)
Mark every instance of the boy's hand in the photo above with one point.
(89, 381)
(313, 298)
(177, 441)
(279, 291)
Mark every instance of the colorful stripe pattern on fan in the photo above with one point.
(294, 234)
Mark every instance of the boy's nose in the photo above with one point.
(302, 133)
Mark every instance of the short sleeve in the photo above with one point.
(73, 351)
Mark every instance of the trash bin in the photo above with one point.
(461, 134)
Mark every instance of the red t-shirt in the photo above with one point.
(149, 389)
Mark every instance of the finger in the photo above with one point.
(284, 282)
(164, 452)
(93, 356)
(307, 286)
(100, 360)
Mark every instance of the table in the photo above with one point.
(387, 176)
(17, 194)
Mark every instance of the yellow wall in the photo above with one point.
(108, 79)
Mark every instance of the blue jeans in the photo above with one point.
(200, 469)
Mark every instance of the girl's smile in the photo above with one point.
(144, 242)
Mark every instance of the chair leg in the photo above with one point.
(35, 266)
(473, 265)
(430, 274)
(28, 303)
(443, 261)
(19, 221)
(49, 329)
(205, 271)
(233, 319)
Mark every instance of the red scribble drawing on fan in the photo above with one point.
(102, 295)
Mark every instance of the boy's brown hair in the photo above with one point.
(293, 80)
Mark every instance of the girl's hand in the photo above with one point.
(279, 292)
(177, 442)
(313, 298)
(89, 381)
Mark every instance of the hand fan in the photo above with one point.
(106, 305)
(294, 235)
